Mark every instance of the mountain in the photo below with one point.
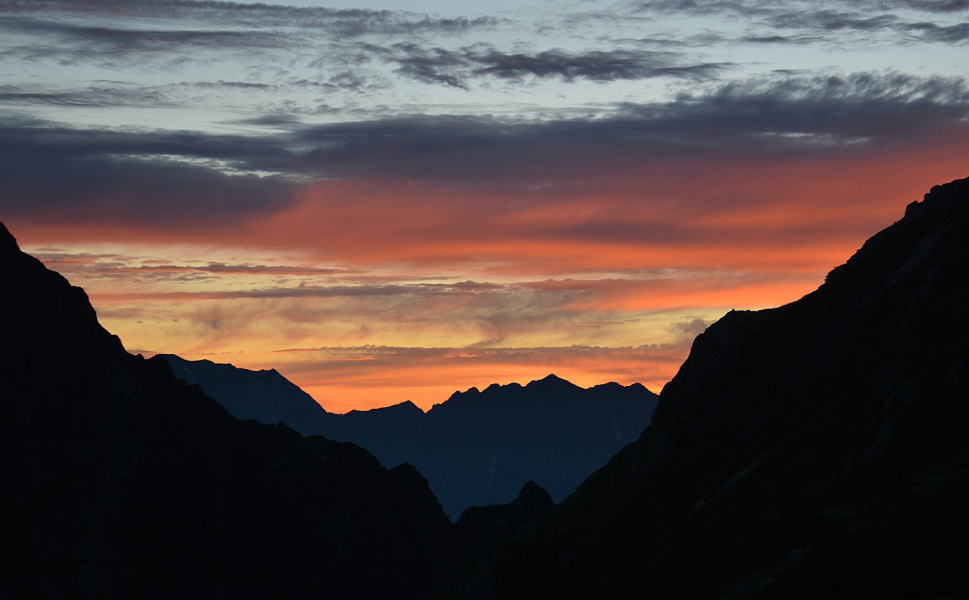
(482, 531)
(816, 450)
(478, 448)
(264, 396)
(118, 480)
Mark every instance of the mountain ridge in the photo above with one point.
(824, 442)
(121, 481)
(477, 448)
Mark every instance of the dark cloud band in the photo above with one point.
(113, 171)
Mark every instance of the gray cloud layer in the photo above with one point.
(53, 166)
(817, 20)
(337, 22)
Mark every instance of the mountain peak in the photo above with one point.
(552, 377)
(7, 241)
(263, 395)
(551, 380)
(400, 408)
(534, 493)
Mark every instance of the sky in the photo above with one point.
(391, 201)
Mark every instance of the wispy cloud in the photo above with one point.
(337, 22)
(950, 34)
(457, 67)
(95, 97)
(818, 22)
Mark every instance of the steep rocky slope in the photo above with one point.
(121, 481)
(816, 450)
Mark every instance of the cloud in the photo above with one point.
(456, 67)
(119, 267)
(595, 65)
(832, 20)
(62, 42)
(759, 116)
(820, 20)
(780, 39)
(941, 6)
(691, 327)
(120, 40)
(169, 35)
(302, 291)
(152, 177)
(104, 96)
(55, 172)
(769, 7)
(434, 65)
(335, 22)
(952, 34)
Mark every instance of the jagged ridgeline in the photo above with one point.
(477, 448)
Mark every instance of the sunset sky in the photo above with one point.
(391, 201)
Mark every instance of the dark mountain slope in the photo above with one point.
(478, 448)
(391, 432)
(816, 450)
(264, 396)
(118, 480)
(482, 531)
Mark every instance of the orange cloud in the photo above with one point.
(610, 263)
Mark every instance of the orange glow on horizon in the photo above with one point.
(610, 280)
(370, 381)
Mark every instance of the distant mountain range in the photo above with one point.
(816, 450)
(477, 448)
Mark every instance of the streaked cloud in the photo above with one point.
(341, 22)
(456, 68)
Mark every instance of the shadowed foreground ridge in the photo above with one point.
(819, 449)
(120, 481)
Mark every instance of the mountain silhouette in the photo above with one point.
(483, 530)
(478, 448)
(816, 450)
(121, 481)
(264, 396)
